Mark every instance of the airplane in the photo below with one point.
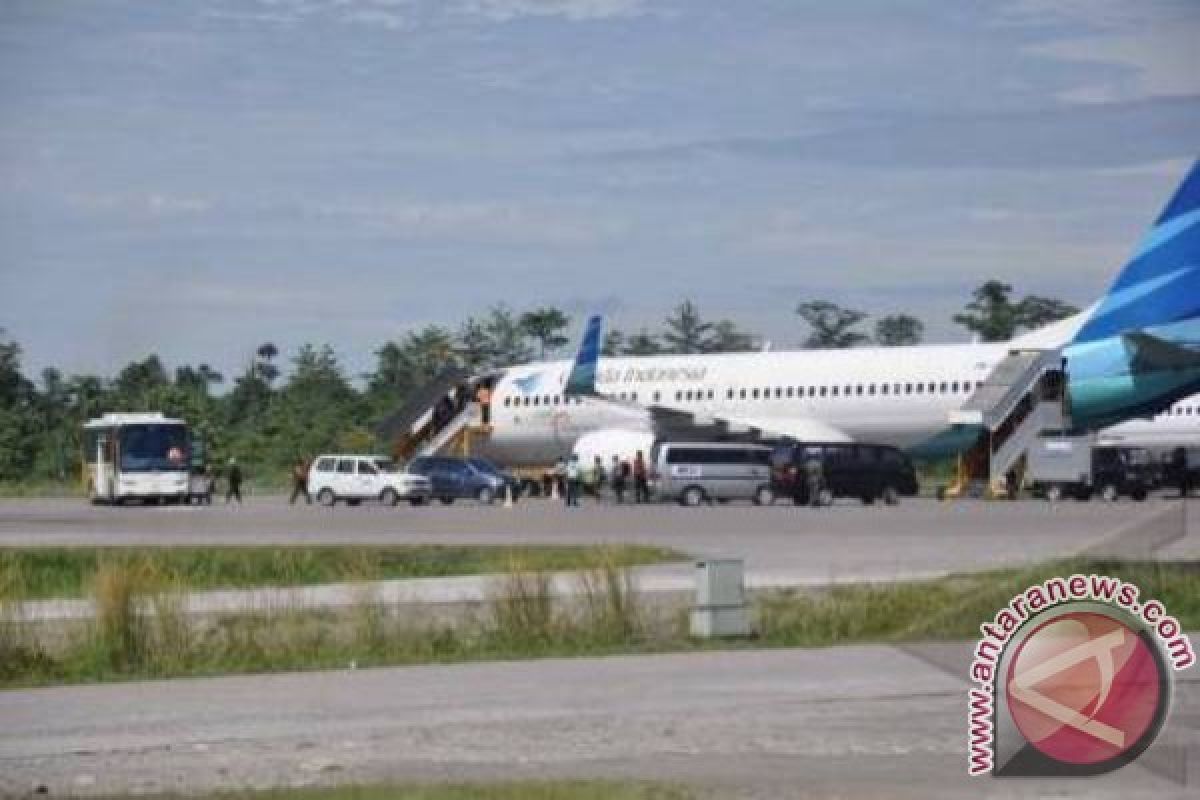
(1177, 426)
(1129, 356)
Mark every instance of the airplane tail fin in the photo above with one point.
(582, 380)
(1159, 289)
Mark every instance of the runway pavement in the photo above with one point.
(851, 722)
(846, 722)
(780, 544)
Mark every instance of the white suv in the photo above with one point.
(356, 478)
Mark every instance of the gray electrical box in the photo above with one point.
(720, 599)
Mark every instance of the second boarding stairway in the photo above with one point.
(434, 420)
(1022, 398)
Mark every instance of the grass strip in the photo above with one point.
(69, 571)
(138, 631)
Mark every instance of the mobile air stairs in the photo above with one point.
(436, 419)
(1023, 398)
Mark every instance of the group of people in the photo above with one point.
(575, 479)
(454, 403)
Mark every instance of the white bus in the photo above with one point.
(136, 456)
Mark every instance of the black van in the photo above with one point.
(869, 472)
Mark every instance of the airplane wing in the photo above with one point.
(676, 423)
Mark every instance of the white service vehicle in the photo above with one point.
(142, 456)
(354, 478)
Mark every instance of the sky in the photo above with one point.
(195, 178)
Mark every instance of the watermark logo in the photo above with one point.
(1073, 677)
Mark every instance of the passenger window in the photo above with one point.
(883, 388)
(346, 466)
(755, 394)
(823, 390)
(954, 387)
(942, 387)
(812, 390)
(678, 397)
(729, 394)
(657, 396)
(710, 394)
(871, 389)
(858, 389)
(742, 394)
(834, 391)
(908, 388)
(790, 390)
(778, 392)
(633, 396)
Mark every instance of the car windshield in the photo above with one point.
(483, 465)
(154, 448)
(386, 465)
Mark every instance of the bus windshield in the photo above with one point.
(154, 448)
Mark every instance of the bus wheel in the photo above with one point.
(764, 496)
(890, 496)
(692, 496)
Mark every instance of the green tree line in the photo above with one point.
(277, 409)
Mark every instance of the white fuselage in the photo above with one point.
(887, 395)
(1178, 426)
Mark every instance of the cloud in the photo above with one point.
(1091, 136)
(140, 206)
(1150, 45)
(571, 10)
(476, 222)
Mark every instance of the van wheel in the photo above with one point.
(1054, 493)
(389, 497)
(764, 496)
(692, 496)
(890, 496)
(868, 499)
(1109, 493)
(326, 497)
(416, 501)
(1138, 494)
(354, 502)
(447, 501)
(485, 495)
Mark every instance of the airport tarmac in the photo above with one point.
(847, 722)
(780, 544)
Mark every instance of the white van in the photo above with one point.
(355, 478)
(701, 472)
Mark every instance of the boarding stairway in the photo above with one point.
(1023, 398)
(415, 429)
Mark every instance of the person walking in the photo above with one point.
(814, 480)
(300, 482)
(234, 480)
(560, 478)
(574, 481)
(483, 396)
(599, 479)
(641, 484)
(1179, 465)
(620, 477)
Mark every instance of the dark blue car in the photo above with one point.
(455, 478)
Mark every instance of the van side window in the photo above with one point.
(346, 466)
(366, 469)
(326, 464)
